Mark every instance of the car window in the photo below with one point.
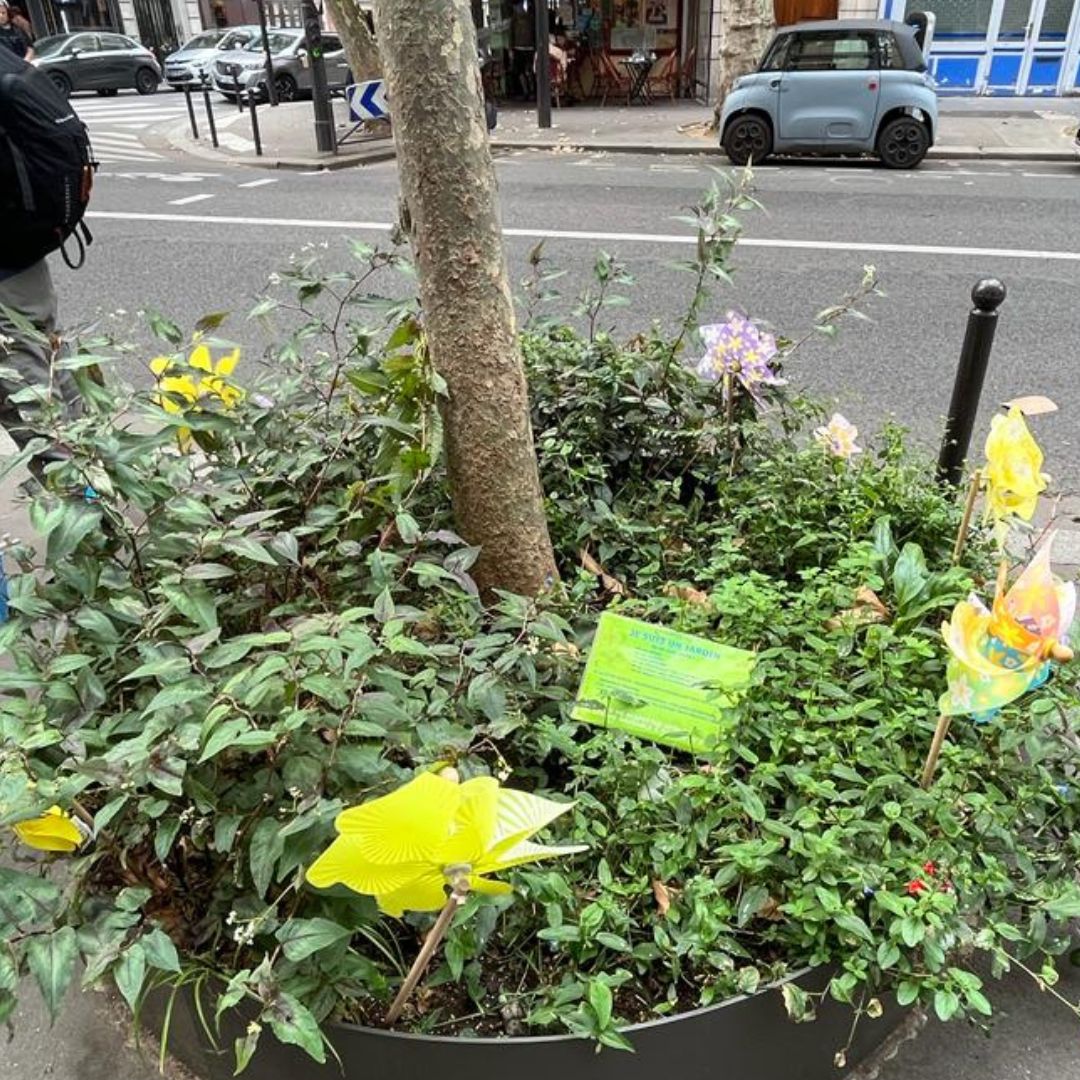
(831, 50)
(82, 43)
(776, 57)
(116, 43)
(278, 42)
(204, 41)
(889, 52)
(236, 39)
(50, 46)
(331, 43)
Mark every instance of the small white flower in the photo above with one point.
(838, 437)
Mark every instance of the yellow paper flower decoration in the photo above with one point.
(53, 831)
(200, 378)
(405, 848)
(1014, 477)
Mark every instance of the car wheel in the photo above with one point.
(286, 87)
(903, 143)
(146, 82)
(748, 139)
(61, 82)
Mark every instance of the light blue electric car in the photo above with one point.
(850, 86)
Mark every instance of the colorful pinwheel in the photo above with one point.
(998, 655)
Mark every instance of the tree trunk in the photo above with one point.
(428, 50)
(360, 48)
(745, 27)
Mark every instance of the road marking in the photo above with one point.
(258, 183)
(1050, 176)
(190, 199)
(629, 238)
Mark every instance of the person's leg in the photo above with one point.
(30, 294)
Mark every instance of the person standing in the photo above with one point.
(29, 343)
(12, 37)
(523, 47)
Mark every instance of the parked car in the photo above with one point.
(246, 67)
(101, 61)
(188, 64)
(850, 86)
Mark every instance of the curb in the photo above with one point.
(987, 153)
(179, 139)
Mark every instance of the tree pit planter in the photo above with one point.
(744, 1038)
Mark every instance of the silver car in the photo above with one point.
(188, 64)
(245, 69)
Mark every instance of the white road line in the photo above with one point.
(190, 199)
(1071, 177)
(629, 238)
(258, 183)
(125, 137)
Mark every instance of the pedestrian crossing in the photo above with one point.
(115, 123)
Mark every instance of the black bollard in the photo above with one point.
(210, 116)
(191, 113)
(988, 296)
(236, 88)
(255, 123)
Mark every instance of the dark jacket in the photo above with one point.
(13, 39)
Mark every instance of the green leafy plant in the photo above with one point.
(218, 649)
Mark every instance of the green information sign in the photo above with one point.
(660, 684)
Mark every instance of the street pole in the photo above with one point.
(988, 295)
(543, 66)
(271, 86)
(325, 141)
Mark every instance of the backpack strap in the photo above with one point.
(84, 238)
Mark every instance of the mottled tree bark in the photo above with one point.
(360, 48)
(745, 27)
(428, 50)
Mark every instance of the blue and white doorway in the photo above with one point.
(1007, 47)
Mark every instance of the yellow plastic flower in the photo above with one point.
(1014, 479)
(838, 436)
(53, 831)
(201, 378)
(406, 847)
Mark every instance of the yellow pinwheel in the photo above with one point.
(405, 848)
(53, 831)
(1013, 472)
(182, 386)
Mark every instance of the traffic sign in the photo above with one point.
(367, 100)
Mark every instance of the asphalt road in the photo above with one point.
(188, 239)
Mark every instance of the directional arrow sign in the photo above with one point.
(367, 100)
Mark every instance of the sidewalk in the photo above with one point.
(999, 128)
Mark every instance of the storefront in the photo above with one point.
(1002, 46)
(591, 29)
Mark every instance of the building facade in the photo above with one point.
(1008, 47)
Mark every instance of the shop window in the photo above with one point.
(644, 24)
(962, 18)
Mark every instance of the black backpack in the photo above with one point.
(46, 168)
